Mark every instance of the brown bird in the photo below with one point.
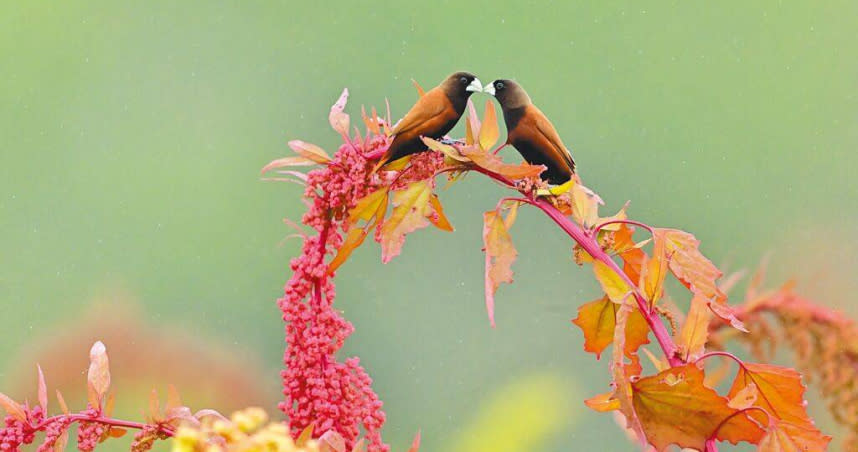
(531, 133)
(434, 114)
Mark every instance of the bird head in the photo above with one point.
(462, 84)
(508, 93)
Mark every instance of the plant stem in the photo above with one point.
(102, 420)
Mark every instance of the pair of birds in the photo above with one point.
(528, 130)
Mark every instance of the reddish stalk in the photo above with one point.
(102, 420)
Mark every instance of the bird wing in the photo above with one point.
(427, 107)
(550, 133)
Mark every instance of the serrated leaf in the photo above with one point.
(780, 388)
(614, 286)
(687, 263)
(412, 208)
(695, 330)
(13, 408)
(437, 216)
(674, 407)
(622, 383)
(339, 120)
(489, 131)
(43, 391)
(98, 377)
(310, 151)
(597, 320)
(787, 437)
(500, 254)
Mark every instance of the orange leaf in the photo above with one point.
(686, 262)
(354, 239)
(597, 320)
(674, 407)
(370, 122)
(111, 402)
(489, 132)
(309, 151)
(360, 446)
(780, 388)
(695, 331)
(787, 437)
(412, 208)
(98, 377)
(603, 402)
(500, 254)
(652, 278)
(13, 408)
(154, 405)
(622, 383)
(744, 398)
(43, 391)
(415, 444)
(339, 120)
(117, 432)
(493, 163)
(615, 287)
(437, 217)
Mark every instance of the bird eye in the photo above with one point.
(464, 80)
(499, 85)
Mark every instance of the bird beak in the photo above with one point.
(489, 89)
(475, 86)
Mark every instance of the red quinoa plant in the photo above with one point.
(330, 404)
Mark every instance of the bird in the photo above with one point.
(531, 133)
(434, 114)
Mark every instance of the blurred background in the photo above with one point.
(132, 211)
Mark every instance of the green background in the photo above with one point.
(132, 134)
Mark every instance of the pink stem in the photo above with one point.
(102, 420)
(592, 247)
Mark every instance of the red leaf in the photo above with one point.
(415, 445)
(98, 377)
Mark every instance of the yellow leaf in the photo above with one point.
(585, 205)
(13, 408)
(788, 437)
(489, 132)
(445, 149)
(614, 286)
(367, 207)
(744, 398)
(558, 190)
(597, 320)
(412, 208)
(511, 215)
(695, 331)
